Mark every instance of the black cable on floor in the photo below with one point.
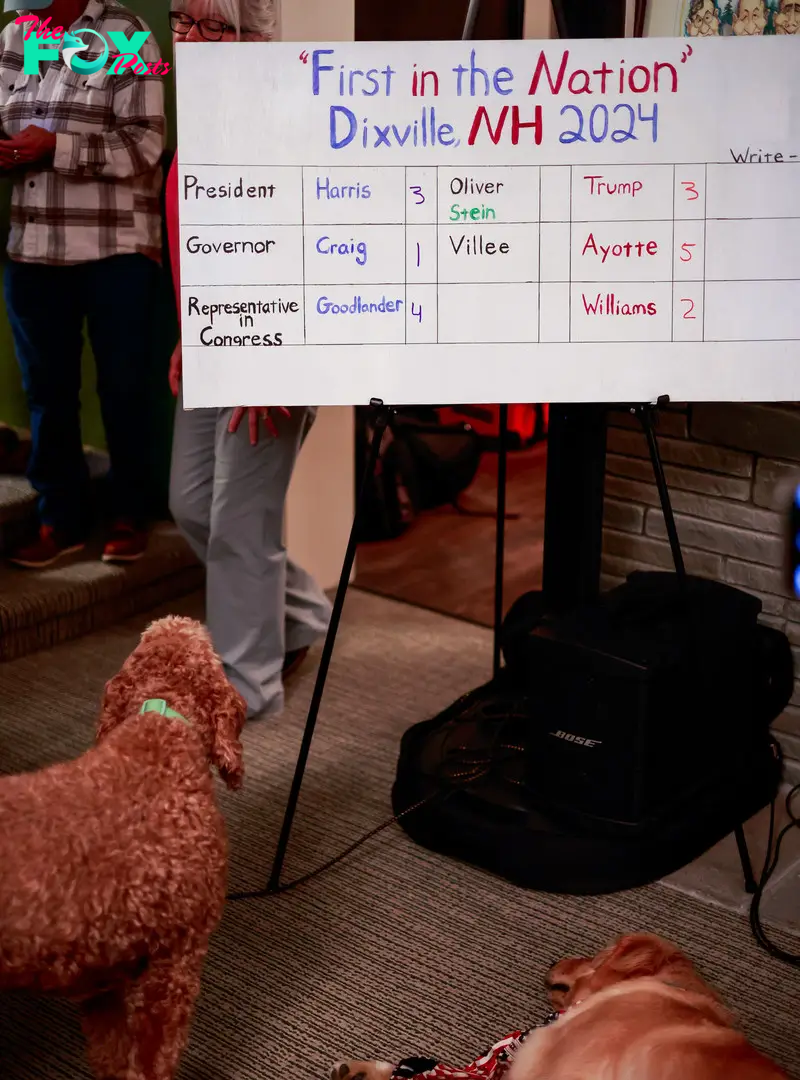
(770, 863)
(464, 766)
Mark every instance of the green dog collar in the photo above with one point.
(158, 705)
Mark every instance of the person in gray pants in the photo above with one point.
(228, 483)
(227, 497)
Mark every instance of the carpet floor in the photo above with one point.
(395, 951)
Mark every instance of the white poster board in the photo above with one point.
(490, 221)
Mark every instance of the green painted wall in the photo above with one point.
(156, 441)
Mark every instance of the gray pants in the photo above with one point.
(227, 498)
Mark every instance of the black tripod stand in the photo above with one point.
(382, 415)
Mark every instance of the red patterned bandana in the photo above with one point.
(493, 1065)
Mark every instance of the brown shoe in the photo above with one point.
(48, 548)
(127, 543)
(293, 661)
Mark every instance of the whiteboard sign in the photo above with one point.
(490, 221)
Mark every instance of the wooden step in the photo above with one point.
(18, 499)
(42, 608)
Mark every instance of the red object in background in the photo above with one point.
(526, 423)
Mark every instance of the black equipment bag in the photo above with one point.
(422, 464)
(645, 694)
(620, 742)
(446, 457)
(389, 500)
(495, 820)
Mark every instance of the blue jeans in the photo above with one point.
(46, 308)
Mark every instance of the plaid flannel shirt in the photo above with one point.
(101, 194)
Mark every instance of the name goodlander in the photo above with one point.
(326, 306)
(196, 246)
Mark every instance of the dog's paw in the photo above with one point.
(362, 1070)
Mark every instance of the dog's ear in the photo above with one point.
(226, 751)
(640, 955)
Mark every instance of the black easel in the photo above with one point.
(382, 414)
(573, 515)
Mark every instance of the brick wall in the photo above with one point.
(730, 470)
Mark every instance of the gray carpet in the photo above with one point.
(396, 951)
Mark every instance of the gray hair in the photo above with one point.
(255, 20)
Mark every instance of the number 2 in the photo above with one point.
(688, 313)
(418, 192)
(691, 191)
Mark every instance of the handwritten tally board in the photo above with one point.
(490, 221)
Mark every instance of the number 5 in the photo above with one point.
(418, 192)
(687, 255)
(691, 191)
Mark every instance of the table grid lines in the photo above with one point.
(588, 316)
(672, 261)
(705, 245)
(569, 291)
(438, 342)
(539, 274)
(405, 259)
(303, 235)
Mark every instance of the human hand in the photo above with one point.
(254, 414)
(33, 144)
(176, 370)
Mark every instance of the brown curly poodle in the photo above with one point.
(114, 866)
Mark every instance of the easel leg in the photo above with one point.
(381, 419)
(645, 414)
(500, 535)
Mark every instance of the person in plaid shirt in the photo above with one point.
(84, 153)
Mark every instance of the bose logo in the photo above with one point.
(579, 739)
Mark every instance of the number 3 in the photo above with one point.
(418, 192)
(688, 313)
(691, 191)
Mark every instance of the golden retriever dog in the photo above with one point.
(638, 1011)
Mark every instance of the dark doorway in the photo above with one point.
(440, 20)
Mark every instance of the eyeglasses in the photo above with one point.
(210, 29)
